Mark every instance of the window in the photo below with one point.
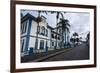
(46, 32)
(43, 30)
(22, 45)
(58, 37)
(59, 30)
(52, 35)
(41, 44)
(52, 43)
(23, 27)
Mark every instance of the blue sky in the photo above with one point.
(79, 21)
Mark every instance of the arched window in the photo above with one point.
(46, 32)
(43, 30)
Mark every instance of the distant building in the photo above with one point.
(48, 37)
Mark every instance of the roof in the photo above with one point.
(48, 26)
(27, 16)
(52, 29)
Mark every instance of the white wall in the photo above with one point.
(33, 31)
(5, 37)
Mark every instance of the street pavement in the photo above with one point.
(80, 52)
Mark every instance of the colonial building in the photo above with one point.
(48, 38)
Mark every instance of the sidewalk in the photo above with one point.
(37, 57)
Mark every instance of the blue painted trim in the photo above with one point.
(28, 33)
(22, 45)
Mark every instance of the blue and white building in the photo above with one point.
(48, 37)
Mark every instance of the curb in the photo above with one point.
(51, 55)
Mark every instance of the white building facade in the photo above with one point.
(48, 38)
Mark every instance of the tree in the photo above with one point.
(88, 39)
(64, 24)
(88, 36)
(75, 34)
(76, 38)
(72, 40)
(57, 17)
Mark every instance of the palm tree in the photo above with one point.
(38, 20)
(64, 24)
(58, 14)
(57, 17)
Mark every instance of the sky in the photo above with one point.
(79, 21)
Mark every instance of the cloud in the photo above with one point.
(79, 21)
